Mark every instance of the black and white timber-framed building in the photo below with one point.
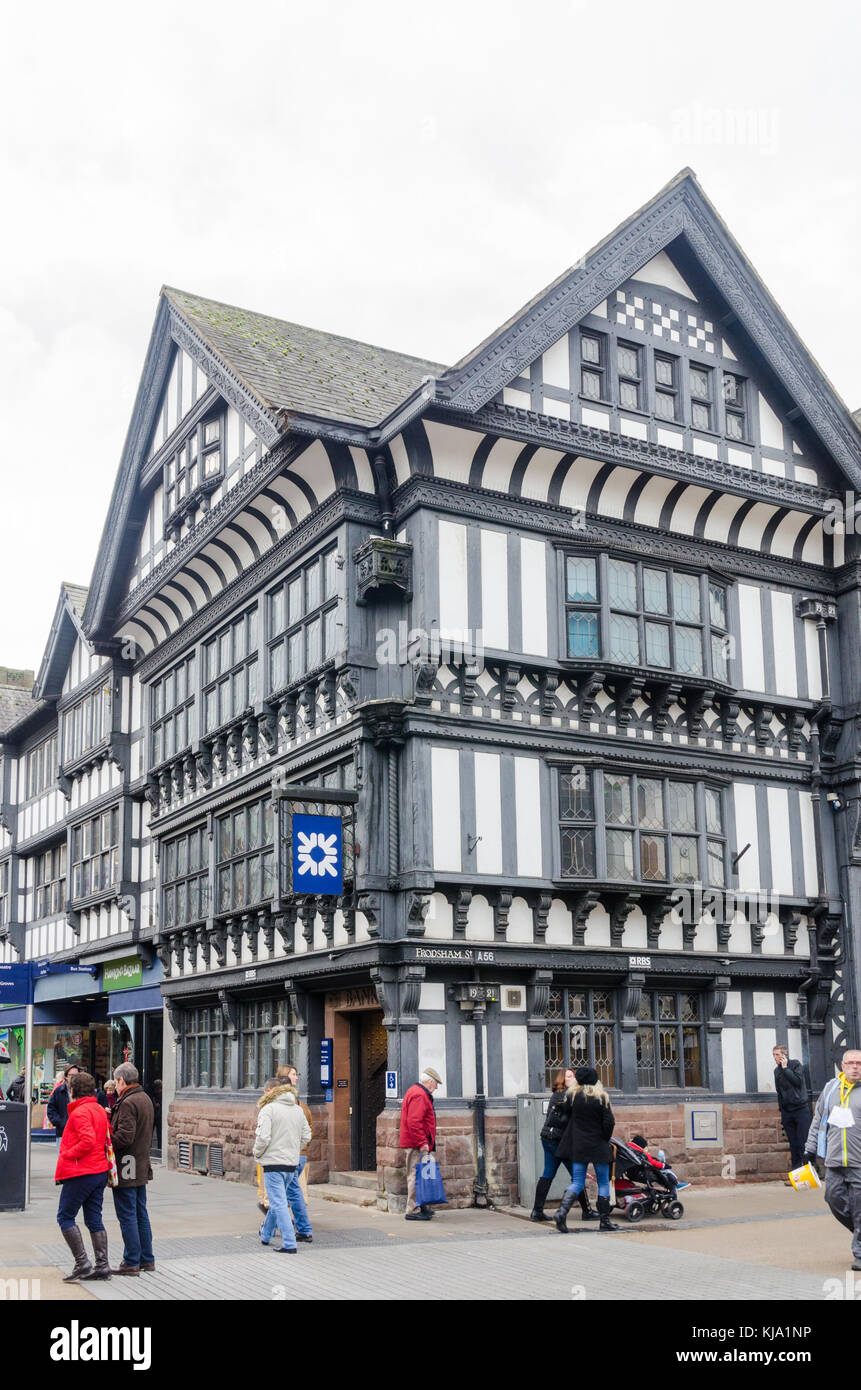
(565, 632)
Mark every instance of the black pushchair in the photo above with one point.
(641, 1188)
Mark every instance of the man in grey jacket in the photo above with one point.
(838, 1112)
(282, 1133)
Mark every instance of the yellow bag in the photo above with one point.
(804, 1177)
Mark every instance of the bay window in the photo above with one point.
(645, 615)
(639, 828)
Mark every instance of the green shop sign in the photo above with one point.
(122, 974)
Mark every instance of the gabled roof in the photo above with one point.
(16, 702)
(679, 216)
(286, 378)
(293, 369)
(65, 630)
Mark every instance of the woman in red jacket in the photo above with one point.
(82, 1171)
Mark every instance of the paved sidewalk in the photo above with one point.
(734, 1243)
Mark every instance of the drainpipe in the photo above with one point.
(823, 709)
(479, 1188)
(381, 477)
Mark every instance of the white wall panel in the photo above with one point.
(445, 796)
(515, 1061)
(732, 1051)
(750, 615)
(488, 814)
(453, 606)
(494, 589)
(808, 842)
(783, 627)
(533, 576)
(781, 843)
(746, 832)
(527, 797)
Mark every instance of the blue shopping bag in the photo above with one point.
(429, 1188)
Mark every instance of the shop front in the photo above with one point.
(95, 1018)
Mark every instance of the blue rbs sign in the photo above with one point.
(318, 855)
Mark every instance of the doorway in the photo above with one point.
(151, 1069)
(368, 1058)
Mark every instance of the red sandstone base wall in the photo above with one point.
(232, 1125)
(754, 1147)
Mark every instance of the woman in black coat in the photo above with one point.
(587, 1140)
(555, 1125)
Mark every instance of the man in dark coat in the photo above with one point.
(795, 1113)
(132, 1121)
(57, 1112)
(16, 1088)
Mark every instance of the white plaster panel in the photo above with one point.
(431, 1040)
(814, 665)
(452, 450)
(781, 845)
(556, 366)
(560, 930)
(467, 1058)
(538, 473)
(808, 842)
(765, 1038)
(499, 464)
(615, 491)
(480, 920)
(578, 480)
(533, 582)
(651, 501)
(746, 832)
(488, 814)
(432, 996)
(732, 1052)
(770, 427)
(494, 589)
(445, 799)
(752, 529)
(453, 609)
(515, 1060)
(750, 615)
(519, 921)
(527, 797)
(687, 509)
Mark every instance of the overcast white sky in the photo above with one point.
(406, 175)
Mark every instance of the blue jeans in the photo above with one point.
(551, 1162)
(131, 1212)
(87, 1191)
(278, 1190)
(296, 1199)
(578, 1178)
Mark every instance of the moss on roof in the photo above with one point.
(302, 370)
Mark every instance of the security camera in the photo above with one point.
(837, 802)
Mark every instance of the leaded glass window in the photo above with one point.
(577, 824)
(230, 671)
(701, 398)
(670, 1046)
(266, 1039)
(628, 360)
(581, 1030)
(185, 878)
(245, 874)
(302, 621)
(205, 1048)
(734, 401)
(592, 367)
(171, 705)
(95, 854)
(665, 619)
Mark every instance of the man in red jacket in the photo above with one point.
(418, 1134)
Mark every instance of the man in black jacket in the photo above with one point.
(794, 1106)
